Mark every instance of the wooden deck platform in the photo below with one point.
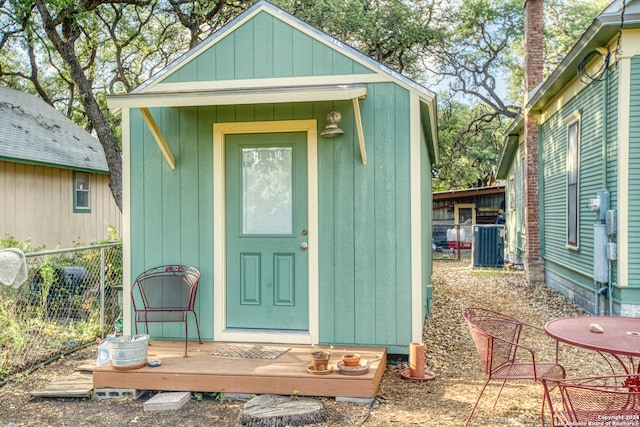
(285, 375)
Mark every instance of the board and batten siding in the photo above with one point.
(364, 211)
(427, 229)
(36, 202)
(575, 264)
(172, 210)
(365, 233)
(266, 47)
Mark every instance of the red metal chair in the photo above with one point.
(496, 337)
(604, 400)
(166, 294)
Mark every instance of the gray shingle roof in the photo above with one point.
(34, 132)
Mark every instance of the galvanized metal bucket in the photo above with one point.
(129, 351)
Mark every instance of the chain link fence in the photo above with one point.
(70, 298)
(452, 242)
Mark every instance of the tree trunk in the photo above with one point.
(65, 48)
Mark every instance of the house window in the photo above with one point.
(573, 142)
(81, 192)
(512, 193)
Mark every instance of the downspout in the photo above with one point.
(605, 159)
(605, 126)
(605, 291)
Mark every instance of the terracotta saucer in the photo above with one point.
(428, 375)
(314, 372)
(353, 370)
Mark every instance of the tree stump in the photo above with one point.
(270, 410)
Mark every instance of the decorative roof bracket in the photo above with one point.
(356, 113)
(157, 135)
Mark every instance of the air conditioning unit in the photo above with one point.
(488, 246)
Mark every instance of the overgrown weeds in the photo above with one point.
(67, 302)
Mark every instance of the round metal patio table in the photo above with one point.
(620, 337)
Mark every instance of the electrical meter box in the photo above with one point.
(488, 246)
(612, 222)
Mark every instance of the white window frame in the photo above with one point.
(573, 180)
(77, 208)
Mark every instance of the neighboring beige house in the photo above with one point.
(54, 179)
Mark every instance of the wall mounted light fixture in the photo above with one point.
(331, 129)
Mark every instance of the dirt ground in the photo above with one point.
(443, 401)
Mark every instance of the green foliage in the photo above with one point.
(471, 54)
(469, 147)
(473, 45)
(22, 330)
(394, 33)
(42, 319)
(560, 33)
(565, 21)
(25, 246)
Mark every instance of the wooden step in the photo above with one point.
(77, 385)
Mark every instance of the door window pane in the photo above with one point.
(267, 185)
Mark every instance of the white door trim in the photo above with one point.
(220, 331)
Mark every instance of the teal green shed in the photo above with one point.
(587, 112)
(295, 174)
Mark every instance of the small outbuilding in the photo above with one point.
(54, 178)
(295, 174)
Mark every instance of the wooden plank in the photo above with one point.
(328, 219)
(356, 113)
(263, 58)
(78, 385)
(244, 42)
(341, 320)
(206, 373)
(223, 56)
(382, 314)
(364, 232)
(283, 49)
(87, 366)
(157, 135)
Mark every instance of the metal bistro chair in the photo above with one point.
(166, 294)
(605, 399)
(496, 337)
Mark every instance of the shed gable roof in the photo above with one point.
(207, 75)
(270, 48)
(31, 131)
(267, 51)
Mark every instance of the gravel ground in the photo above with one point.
(443, 401)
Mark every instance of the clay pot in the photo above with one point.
(320, 361)
(351, 359)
